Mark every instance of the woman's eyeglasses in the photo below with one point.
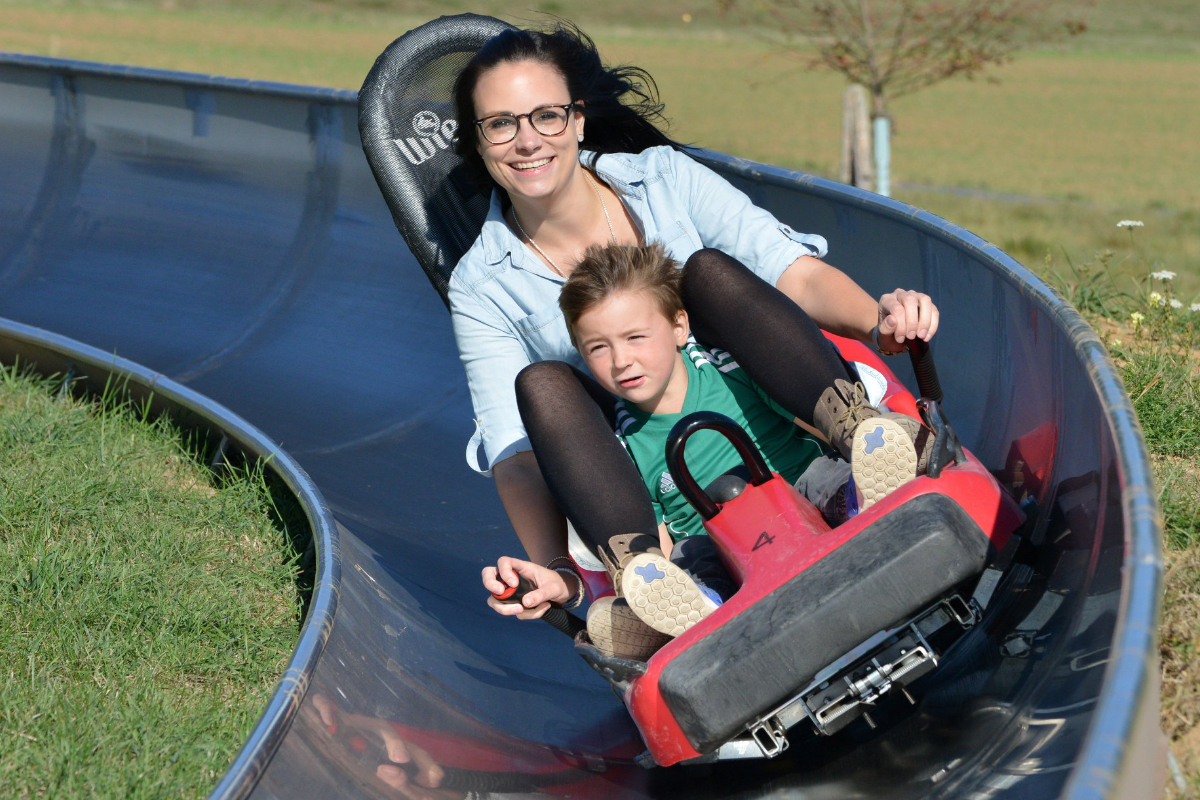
(547, 120)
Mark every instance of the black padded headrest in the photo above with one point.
(407, 123)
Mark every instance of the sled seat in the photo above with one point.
(892, 569)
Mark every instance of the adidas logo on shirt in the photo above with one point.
(666, 484)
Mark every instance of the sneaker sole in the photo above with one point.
(616, 631)
(662, 595)
(883, 457)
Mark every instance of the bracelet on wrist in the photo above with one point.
(882, 352)
(577, 600)
(565, 566)
(561, 561)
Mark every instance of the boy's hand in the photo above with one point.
(550, 588)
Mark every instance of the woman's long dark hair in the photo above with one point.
(620, 103)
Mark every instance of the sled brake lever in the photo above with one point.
(923, 368)
(560, 618)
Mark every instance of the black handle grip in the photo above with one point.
(514, 594)
(922, 363)
(710, 420)
(559, 618)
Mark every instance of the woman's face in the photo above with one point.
(532, 165)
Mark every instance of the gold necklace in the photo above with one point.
(603, 206)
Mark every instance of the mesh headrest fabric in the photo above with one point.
(407, 124)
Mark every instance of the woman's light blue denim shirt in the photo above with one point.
(504, 300)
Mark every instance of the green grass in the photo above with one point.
(146, 610)
(1166, 395)
(1179, 486)
(1157, 349)
(1153, 26)
(1053, 235)
(1159, 358)
(1111, 23)
(1163, 381)
(1067, 141)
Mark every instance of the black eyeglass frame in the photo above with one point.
(568, 107)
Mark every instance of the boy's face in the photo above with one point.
(633, 350)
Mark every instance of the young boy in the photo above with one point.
(624, 313)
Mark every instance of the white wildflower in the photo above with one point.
(1175, 304)
(1157, 299)
(1194, 308)
(1163, 275)
(1131, 223)
(1137, 318)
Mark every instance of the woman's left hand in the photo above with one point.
(903, 315)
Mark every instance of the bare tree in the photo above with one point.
(896, 47)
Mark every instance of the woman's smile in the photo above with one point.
(531, 166)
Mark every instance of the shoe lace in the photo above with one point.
(856, 403)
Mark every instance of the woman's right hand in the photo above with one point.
(550, 588)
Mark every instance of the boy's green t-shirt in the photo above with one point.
(715, 383)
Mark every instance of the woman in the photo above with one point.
(543, 121)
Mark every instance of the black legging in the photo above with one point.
(569, 417)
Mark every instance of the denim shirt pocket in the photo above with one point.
(544, 334)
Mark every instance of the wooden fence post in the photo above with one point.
(857, 162)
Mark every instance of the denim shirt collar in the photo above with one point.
(623, 172)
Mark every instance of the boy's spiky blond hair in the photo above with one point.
(608, 269)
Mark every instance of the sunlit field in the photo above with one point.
(1103, 130)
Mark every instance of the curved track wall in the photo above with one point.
(229, 235)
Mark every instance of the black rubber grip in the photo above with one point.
(922, 363)
(514, 594)
(559, 618)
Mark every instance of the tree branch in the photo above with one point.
(896, 47)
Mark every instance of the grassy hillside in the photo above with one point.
(1044, 158)
(1151, 24)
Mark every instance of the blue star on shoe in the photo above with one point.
(650, 573)
(663, 595)
(873, 440)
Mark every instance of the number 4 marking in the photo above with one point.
(764, 539)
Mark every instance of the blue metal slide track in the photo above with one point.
(227, 238)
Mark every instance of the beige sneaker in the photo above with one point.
(840, 410)
(662, 595)
(616, 631)
(622, 548)
(887, 451)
